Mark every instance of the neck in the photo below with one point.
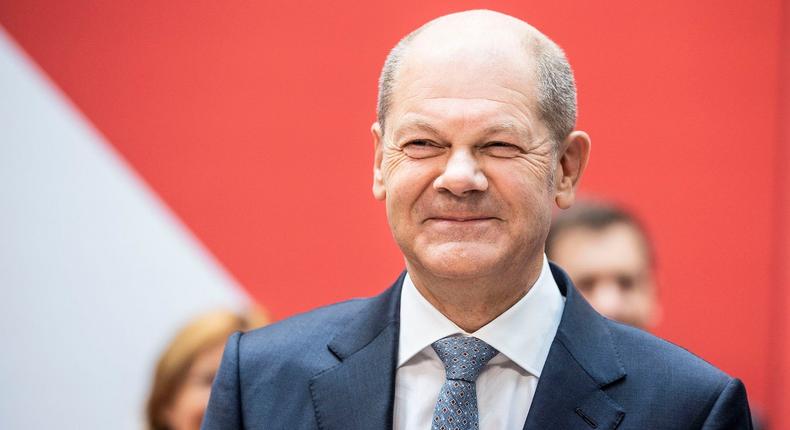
(471, 303)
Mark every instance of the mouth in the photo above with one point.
(460, 219)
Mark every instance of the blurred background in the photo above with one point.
(161, 159)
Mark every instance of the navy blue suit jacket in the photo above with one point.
(334, 369)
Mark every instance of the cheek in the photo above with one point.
(197, 407)
(392, 161)
(405, 186)
(527, 197)
(192, 406)
(401, 216)
(638, 299)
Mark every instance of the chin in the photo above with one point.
(460, 260)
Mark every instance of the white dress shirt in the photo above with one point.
(523, 335)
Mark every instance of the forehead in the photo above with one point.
(466, 82)
(446, 117)
(616, 247)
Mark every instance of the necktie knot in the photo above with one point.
(463, 357)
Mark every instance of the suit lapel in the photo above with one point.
(582, 362)
(358, 392)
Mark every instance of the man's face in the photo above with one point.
(611, 269)
(466, 167)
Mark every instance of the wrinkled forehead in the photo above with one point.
(437, 68)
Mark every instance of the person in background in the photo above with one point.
(608, 254)
(186, 369)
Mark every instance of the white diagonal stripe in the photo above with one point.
(95, 272)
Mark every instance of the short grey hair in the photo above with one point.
(556, 90)
(387, 78)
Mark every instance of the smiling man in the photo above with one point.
(474, 145)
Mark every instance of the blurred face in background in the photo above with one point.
(612, 270)
(185, 371)
(191, 398)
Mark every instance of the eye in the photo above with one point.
(502, 149)
(626, 282)
(422, 148)
(585, 284)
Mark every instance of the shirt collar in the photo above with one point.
(523, 333)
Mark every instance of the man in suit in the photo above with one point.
(474, 143)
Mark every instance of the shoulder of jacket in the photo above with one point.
(659, 359)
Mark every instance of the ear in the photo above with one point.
(379, 191)
(575, 151)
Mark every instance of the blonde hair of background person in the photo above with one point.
(185, 371)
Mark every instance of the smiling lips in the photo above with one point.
(454, 225)
(461, 220)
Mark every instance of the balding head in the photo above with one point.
(489, 42)
(472, 161)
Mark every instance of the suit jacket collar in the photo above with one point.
(582, 362)
(358, 392)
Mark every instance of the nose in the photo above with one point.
(461, 175)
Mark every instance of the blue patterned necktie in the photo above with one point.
(463, 358)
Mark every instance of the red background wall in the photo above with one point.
(251, 121)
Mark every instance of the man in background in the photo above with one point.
(608, 254)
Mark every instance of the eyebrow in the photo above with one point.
(417, 124)
(504, 127)
(508, 127)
